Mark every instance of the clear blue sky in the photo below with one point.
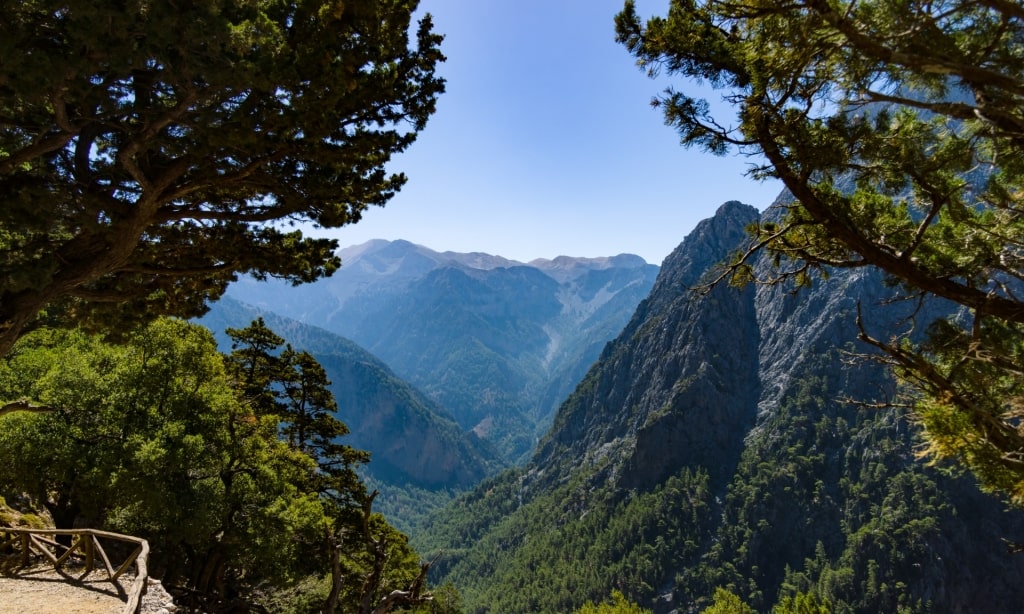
(545, 143)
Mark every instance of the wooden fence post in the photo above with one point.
(90, 553)
(24, 549)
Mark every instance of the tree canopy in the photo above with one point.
(897, 127)
(618, 605)
(151, 151)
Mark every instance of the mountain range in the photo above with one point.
(497, 343)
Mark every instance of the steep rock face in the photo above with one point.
(498, 343)
(412, 439)
(675, 388)
(716, 443)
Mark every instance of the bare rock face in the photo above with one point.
(679, 385)
(701, 367)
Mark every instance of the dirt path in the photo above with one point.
(44, 591)
(41, 590)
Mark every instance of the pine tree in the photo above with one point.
(151, 151)
(898, 130)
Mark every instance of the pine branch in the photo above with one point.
(25, 405)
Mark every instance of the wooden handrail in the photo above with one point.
(87, 541)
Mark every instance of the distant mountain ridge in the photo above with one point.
(710, 447)
(498, 343)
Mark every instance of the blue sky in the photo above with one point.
(545, 143)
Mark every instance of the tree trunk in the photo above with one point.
(64, 512)
(334, 550)
(208, 572)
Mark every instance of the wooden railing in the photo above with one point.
(85, 546)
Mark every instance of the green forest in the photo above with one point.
(152, 153)
(228, 464)
(827, 511)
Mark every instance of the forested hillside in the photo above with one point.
(420, 456)
(497, 343)
(731, 440)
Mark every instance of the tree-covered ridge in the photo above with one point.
(147, 147)
(383, 411)
(828, 505)
(420, 455)
(508, 551)
(829, 501)
(231, 466)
